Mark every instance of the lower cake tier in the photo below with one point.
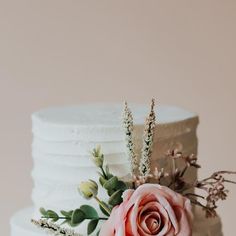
(21, 226)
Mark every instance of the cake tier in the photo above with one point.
(64, 137)
(21, 226)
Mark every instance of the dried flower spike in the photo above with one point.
(129, 127)
(148, 136)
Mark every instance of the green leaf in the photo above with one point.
(90, 212)
(102, 209)
(49, 214)
(110, 192)
(121, 185)
(43, 211)
(77, 217)
(92, 226)
(67, 213)
(109, 175)
(53, 215)
(111, 183)
(116, 198)
(102, 180)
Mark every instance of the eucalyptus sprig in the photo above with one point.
(89, 190)
(112, 184)
(75, 217)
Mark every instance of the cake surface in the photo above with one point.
(107, 114)
(63, 138)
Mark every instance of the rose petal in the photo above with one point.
(150, 223)
(150, 208)
(127, 194)
(184, 226)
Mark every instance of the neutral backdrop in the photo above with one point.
(71, 52)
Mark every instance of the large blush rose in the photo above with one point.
(151, 209)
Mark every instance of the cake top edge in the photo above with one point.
(109, 114)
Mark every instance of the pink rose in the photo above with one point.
(151, 209)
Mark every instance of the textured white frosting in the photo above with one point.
(21, 226)
(63, 138)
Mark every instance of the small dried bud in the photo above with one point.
(88, 189)
(192, 161)
(210, 210)
(174, 153)
(97, 156)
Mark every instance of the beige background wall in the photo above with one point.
(67, 52)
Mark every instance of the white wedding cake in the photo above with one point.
(63, 138)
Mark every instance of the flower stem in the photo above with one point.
(103, 172)
(103, 205)
(59, 218)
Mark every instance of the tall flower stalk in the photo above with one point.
(128, 125)
(148, 136)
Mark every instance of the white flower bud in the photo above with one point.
(88, 189)
(97, 157)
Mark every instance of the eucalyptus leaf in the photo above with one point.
(43, 211)
(77, 217)
(121, 185)
(67, 213)
(102, 180)
(116, 198)
(90, 212)
(111, 183)
(109, 175)
(92, 226)
(110, 192)
(53, 215)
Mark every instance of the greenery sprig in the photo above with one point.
(112, 184)
(89, 189)
(74, 217)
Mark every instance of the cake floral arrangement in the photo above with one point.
(149, 201)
